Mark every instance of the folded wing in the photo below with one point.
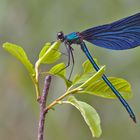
(120, 35)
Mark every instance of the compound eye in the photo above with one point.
(60, 36)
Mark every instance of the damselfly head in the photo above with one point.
(60, 36)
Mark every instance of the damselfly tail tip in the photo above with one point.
(134, 119)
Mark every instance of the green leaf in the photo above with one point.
(87, 66)
(44, 49)
(100, 88)
(20, 54)
(89, 114)
(88, 72)
(60, 71)
(50, 53)
(93, 79)
(81, 78)
(76, 79)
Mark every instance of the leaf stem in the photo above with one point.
(36, 81)
(58, 100)
(37, 64)
(37, 91)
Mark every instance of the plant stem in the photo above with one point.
(60, 98)
(36, 79)
(37, 91)
(44, 109)
(42, 102)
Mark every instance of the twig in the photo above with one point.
(58, 100)
(42, 102)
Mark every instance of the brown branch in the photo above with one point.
(42, 102)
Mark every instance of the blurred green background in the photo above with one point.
(32, 23)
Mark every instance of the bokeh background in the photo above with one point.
(31, 24)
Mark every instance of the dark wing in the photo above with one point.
(120, 35)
